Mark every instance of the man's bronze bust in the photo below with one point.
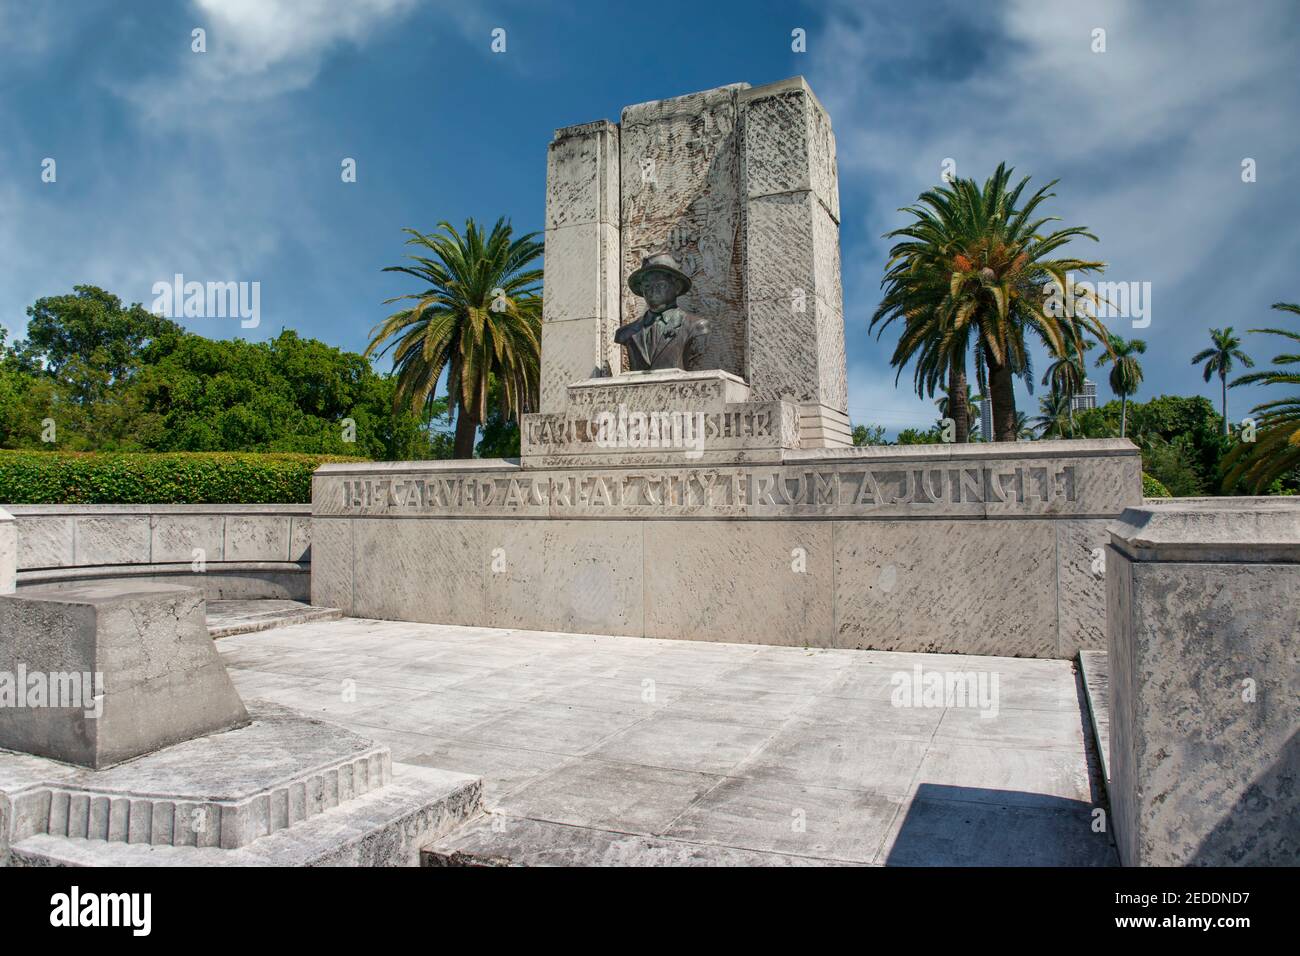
(665, 336)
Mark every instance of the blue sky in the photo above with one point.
(225, 165)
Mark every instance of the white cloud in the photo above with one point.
(1147, 137)
(256, 50)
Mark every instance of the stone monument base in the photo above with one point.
(979, 549)
(286, 790)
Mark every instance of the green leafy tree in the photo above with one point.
(1066, 375)
(88, 340)
(478, 317)
(864, 435)
(973, 269)
(1275, 453)
(1054, 419)
(1125, 372)
(1218, 360)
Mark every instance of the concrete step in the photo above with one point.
(385, 827)
(227, 618)
(499, 839)
(224, 790)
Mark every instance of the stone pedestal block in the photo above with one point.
(662, 417)
(580, 304)
(102, 673)
(1205, 682)
(794, 300)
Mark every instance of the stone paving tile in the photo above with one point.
(503, 769)
(872, 716)
(440, 713)
(1020, 777)
(685, 743)
(504, 840)
(849, 758)
(559, 728)
(1031, 729)
(610, 796)
(741, 705)
(779, 815)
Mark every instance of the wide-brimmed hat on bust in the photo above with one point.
(659, 262)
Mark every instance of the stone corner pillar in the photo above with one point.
(1202, 621)
(794, 301)
(8, 553)
(580, 285)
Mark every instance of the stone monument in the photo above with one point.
(690, 472)
(737, 186)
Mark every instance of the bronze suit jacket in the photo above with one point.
(671, 339)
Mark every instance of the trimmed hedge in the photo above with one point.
(1153, 487)
(169, 478)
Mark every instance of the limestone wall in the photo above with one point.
(988, 549)
(239, 552)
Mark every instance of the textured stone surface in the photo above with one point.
(331, 567)
(1081, 580)
(659, 559)
(971, 587)
(8, 552)
(789, 145)
(112, 539)
(1073, 479)
(701, 582)
(618, 751)
(572, 575)
(1205, 683)
(257, 538)
(682, 193)
(87, 536)
(794, 297)
(581, 286)
(415, 571)
(571, 352)
(581, 280)
(145, 651)
(175, 538)
(45, 542)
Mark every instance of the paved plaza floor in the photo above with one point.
(599, 749)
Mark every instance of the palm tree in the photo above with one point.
(1054, 416)
(1066, 375)
(1276, 449)
(973, 270)
(1218, 360)
(1125, 373)
(478, 318)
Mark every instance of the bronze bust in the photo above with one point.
(664, 336)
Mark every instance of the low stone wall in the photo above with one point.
(1205, 682)
(233, 552)
(981, 549)
(8, 552)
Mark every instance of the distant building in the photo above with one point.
(1087, 397)
(986, 419)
